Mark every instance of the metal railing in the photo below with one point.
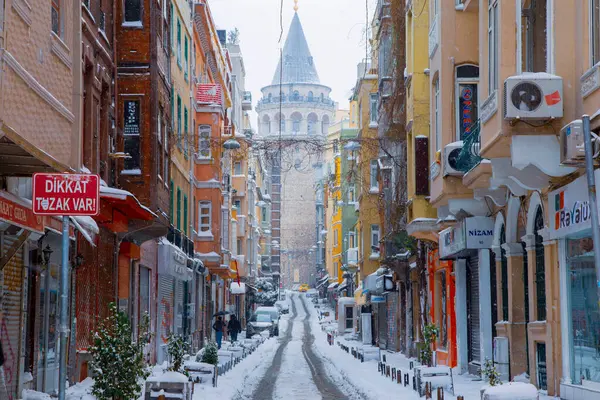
(180, 240)
(296, 99)
(469, 156)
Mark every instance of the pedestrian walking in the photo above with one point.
(219, 326)
(233, 328)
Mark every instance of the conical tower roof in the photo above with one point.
(298, 64)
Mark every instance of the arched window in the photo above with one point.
(280, 119)
(311, 96)
(325, 124)
(504, 273)
(270, 97)
(296, 119)
(296, 95)
(312, 121)
(540, 267)
(266, 124)
(322, 97)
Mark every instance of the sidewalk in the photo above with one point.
(366, 374)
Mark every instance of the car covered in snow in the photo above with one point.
(282, 306)
(273, 313)
(259, 323)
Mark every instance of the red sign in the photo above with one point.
(66, 194)
(20, 215)
(209, 93)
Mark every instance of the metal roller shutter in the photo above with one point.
(11, 300)
(473, 309)
(392, 317)
(179, 305)
(165, 315)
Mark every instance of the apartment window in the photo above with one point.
(263, 216)
(165, 152)
(144, 291)
(133, 11)
(335, 237)
(160, 141)
(351, 239)
(373, 112)
(375, 237)
(467, 77)
(336, 147)
(533, 35)
(185, 58)
(179, 43)
(56, 20)
(436, 115)
(349, 317)
(492, 46)
(178, 120)
(351, 194)
(178, 209)
(204, 216)
(204, 141)
(237, 168)
(185, 214)
(595, 31)
(373, 184)
(131, 133)
(296, 123)
(185, 131)
(237, 204)
(239, 246)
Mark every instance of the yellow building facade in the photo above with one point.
(333, 212)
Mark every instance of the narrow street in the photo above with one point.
(291, 376)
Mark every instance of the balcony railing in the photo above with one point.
(469, 157)
(296, 99)
(180, 240)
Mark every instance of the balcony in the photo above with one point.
(180, 240)
(326, 101)
(247, 101)
(433, 37)
(209, 94)
(164, 65)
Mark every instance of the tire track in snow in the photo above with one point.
(266, 387)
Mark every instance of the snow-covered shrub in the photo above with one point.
(118, 361)
(491, 373)
(430, 334)
(210, 354)
(177, 347)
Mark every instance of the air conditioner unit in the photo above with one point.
(451, 152)
(533, 96)
(572, 151)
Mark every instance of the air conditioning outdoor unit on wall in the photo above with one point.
(533, 95)
(572, 151)
(451, 152)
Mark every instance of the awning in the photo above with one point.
(87, 227)
(343, 285)
(127, 203)
(332, 286)
(323, 279)
(320, 285)
(237, 288)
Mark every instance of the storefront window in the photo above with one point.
(585, 314)
(443, 318)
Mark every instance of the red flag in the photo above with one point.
(553, 98)
(209, 93)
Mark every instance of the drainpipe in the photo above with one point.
(578, 55)
(77, 97)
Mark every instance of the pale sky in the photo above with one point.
(334, 30)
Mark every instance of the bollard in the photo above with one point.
(379, 366)
(427, 390)
(460, 398)
(387, 371)
(405, 379)
(393, 373)
(440, 393)
(398, 378)
(382, 369)
(414, 383)
(384, 360)
(411, 365)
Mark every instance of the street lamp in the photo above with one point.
(231, 144)
(78, 261)
(351, 146)
(47, 253)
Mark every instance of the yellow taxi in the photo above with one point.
(304, 287)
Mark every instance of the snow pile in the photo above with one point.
(82, 390)
(511, 391)
(169, 377)
(33, 395)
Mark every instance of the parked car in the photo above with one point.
(283, 306)
(304, 287)
(273, 313)
(259, 323)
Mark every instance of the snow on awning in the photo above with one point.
(87, 227)
(325, 278)
(343, 285)
(237, 288)
(333, 285)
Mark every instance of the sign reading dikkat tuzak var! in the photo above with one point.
(66, 194)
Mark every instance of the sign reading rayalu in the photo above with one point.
(66, 194)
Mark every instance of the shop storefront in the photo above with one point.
(464, 244)
(173, 278)
(570, 224)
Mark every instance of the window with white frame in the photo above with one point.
(375, 237)
(373, 167)
(204, 141)
(436, 114)
(237, 168)
(492, 46)
(133, 11)
(595, 31)
(56, 17)
(533, 35)
(351, 194)
(373, 112)
(335, 237)
(467, 78)
(204, 216)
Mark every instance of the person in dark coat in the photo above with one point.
(219, 327)
(233, 328)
